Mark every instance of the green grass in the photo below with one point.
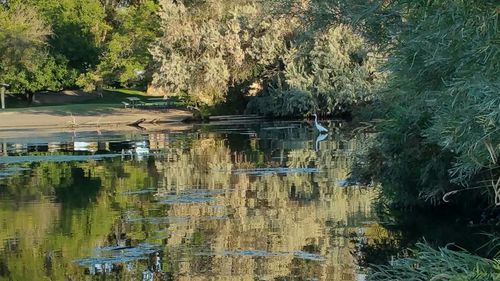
(68, 108)
(426, 263)
(116, 96)
(111, 97)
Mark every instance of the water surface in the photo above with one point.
(265, 201)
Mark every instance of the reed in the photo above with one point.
(426, 263)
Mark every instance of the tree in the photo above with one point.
(441, 104)
(207, 48)
(79, 30)
(125, 59)
(327, 72)
(25, 63)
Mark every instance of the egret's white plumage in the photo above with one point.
(320, 138)
(321, 129)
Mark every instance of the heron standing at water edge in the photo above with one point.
(321, 129)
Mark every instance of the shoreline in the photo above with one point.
(34, 119)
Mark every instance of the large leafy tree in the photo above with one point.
(328, 71)
(443, 96)
(202, 48)
(25, 62)
(92, 43)
(441, 104)
(125, 59)
(79, 29)
(209, 48)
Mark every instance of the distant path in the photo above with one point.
(33, 118)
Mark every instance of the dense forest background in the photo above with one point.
(425, 73)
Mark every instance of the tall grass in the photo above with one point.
(428, 264)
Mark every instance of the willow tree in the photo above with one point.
(442, 101)
(327, 71)
(208, 47)
(199, 46)
(440, 105)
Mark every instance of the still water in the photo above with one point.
(267, 201)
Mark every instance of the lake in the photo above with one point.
(266, 201)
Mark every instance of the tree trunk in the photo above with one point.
(30, 97)
(2, 96)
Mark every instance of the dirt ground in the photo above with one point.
(111, 117)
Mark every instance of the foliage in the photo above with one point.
(426, 263)
(444, 85)
(329, 74)
(440, 105)
(24, 59)
(202, 48)
(79, 29)
(91, 44)
(210, 48)
(125, 59)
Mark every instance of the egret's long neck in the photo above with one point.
(316, 119)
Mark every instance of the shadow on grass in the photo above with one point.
(78, 109)
(108, 97)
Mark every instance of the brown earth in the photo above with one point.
(37, 119)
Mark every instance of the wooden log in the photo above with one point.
(137, 123)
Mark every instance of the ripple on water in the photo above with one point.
(55, 158)
(9, 171)
(191, 196)
(272, 171)
(113, 255)
(264, 254)
(171, 220)
(137, 192)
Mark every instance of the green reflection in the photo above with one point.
(201, 200)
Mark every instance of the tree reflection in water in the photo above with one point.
(233, 202)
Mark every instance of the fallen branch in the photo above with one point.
(137, 123)
(154, 121)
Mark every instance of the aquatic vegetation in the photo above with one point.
(427, 263)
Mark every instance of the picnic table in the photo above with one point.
(157, 99)
(157, 103)
(133, 101)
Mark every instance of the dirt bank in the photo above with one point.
(34, 118)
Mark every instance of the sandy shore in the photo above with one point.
(114, 117)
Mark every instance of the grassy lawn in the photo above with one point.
(111, 99)
(116, 96)
(68, 108)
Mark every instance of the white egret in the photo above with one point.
(320, 138)
(321, 129)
